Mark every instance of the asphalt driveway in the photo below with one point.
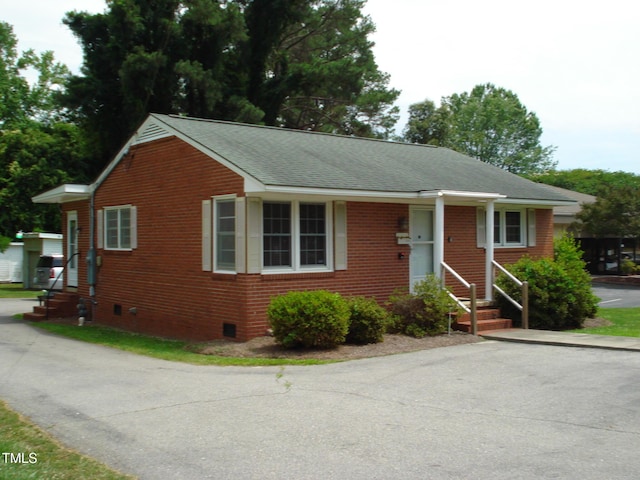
(617, 296)
(485, 410)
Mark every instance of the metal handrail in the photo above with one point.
(524, 286)
(472, 309)
(46, 300)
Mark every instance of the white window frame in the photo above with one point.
(119, 228)
(500, 239)
(295, 239)
(216, 201)
(527, 227)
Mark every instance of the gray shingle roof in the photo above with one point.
(293, 158)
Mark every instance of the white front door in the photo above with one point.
(71, 272)
(422, 240)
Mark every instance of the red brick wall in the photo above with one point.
(373, 268)
(463, 255)
(162, 279)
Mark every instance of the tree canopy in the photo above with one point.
(305, 64)
(615, 213)
(489, 123)
(591, 182)
(38, 150)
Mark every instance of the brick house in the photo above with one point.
(196, 224)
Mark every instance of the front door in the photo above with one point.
(72, 249)
(421, 232)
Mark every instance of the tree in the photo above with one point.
(37, 150)
(614, 213)
(489, 123)
(591, 182)
(304, 64)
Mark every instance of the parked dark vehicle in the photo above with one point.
(47, 271)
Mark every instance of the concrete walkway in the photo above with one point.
(567, 339)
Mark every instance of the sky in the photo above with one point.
(574, 63)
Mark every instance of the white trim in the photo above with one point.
(341, 256)
(69, 192)
(71, 277)
(438, 236)
(489, 250)
(207, 251)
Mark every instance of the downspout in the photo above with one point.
(91, 255)
(489, 226)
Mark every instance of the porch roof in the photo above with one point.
(68, 192)
(278, 159)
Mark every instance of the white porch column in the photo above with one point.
(489, 250)
(438, 247)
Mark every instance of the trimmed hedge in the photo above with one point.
(309, 319)
(367, 322)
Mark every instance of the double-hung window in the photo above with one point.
(225, 234)
(295, 235)
(512, 227)
(119, 228)
(509, 228)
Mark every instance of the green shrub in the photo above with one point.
(309, 319)
(423, 312)
(368, 321)
(560, 295)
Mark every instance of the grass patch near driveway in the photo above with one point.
(625, 322)
(16, 290)
(172, 350)
(27, 452)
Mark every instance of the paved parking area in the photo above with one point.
(617, 296)
(487, 410)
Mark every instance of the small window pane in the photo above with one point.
(125, 228)
(513, 227)
(313, 238)
(277, 234)
(111, 220)
(226, 235)
(497, 238)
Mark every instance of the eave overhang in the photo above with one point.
(69, 192)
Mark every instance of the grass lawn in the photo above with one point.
(16, 290)
(625, 322)
(172, 350)
(36, 454)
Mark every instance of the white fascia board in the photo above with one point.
(542, 203)
(69, 192)
(332, 192)
(460, 194)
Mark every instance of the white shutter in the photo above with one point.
(134, 227)
(531, 227)
(254, 235)
(241, 236)
(206, 236)
(100, 228)
(481, 227)
(340, 229)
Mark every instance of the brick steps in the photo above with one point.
(59, 305)
(487, 319)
